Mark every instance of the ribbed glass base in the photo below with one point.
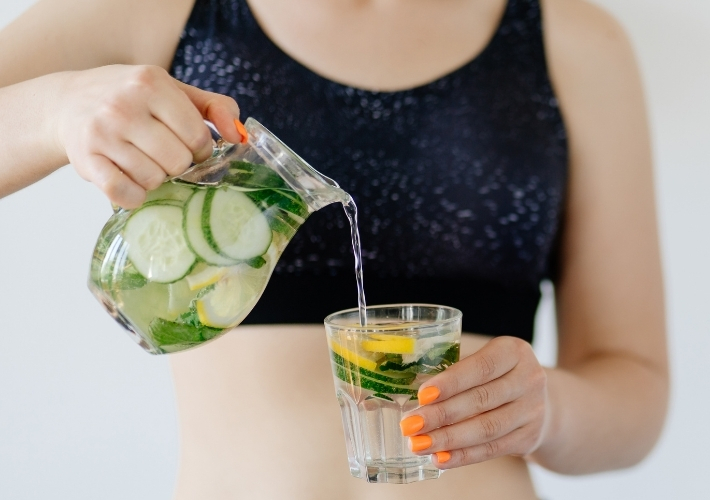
(381, 473)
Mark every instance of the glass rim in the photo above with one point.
(328, 321)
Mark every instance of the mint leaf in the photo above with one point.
(169, 332)
(190, 318)
(130, 279)
(434, 361)
(438, 359)
(256, 262)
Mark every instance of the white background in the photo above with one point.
(84, 414)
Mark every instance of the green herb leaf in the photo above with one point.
(286, 200)
(437, 360)
(130, 279)
(169, 332)
(434, 361)
(256, 262)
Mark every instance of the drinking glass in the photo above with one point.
(378, 369)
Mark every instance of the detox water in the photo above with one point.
(378, 369)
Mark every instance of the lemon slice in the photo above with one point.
(386, 336)
(205, 276)
(393, 344)
(233, 296)
(352, 357)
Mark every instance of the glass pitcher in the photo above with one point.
(192, 261)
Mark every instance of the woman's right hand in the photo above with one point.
(126, 128)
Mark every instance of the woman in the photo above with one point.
(445, 121)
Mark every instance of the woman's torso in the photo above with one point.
(466, 122)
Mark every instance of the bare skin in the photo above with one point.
(608, 393)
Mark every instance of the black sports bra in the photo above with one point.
(460, 182)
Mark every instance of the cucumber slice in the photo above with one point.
(192, 226)
(398, 378)
(253, 175)
(378, 386)
(170, 191)
(156, 243)
(233, 225)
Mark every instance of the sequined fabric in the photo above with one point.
(459, 182)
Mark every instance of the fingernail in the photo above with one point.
(419, 443)
(242, 131)
(442, 456)
(428, 395)
(411, 425)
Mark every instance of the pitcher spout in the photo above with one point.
(316, 189)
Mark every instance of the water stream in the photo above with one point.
(351, 212)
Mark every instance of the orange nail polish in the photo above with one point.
(428, 395)
(411, 425)
(419, 443)
(242, 131)
(443, 456)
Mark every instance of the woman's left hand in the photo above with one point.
(490, 404)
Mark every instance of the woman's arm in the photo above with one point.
(603, 406)
(124, 128)
(609, 394)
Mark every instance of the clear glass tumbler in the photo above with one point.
(378, 369)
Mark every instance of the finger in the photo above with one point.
(475, 431)
(119, 188)
(493, 360)
(464, 405)
(161, 145)
(137, 165)
(518, 442)
(168, 104)
(221, 110)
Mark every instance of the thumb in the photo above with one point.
(220, 109)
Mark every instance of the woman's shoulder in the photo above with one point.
(591, 64)
(578, 31)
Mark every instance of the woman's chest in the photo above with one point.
(377, 44)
